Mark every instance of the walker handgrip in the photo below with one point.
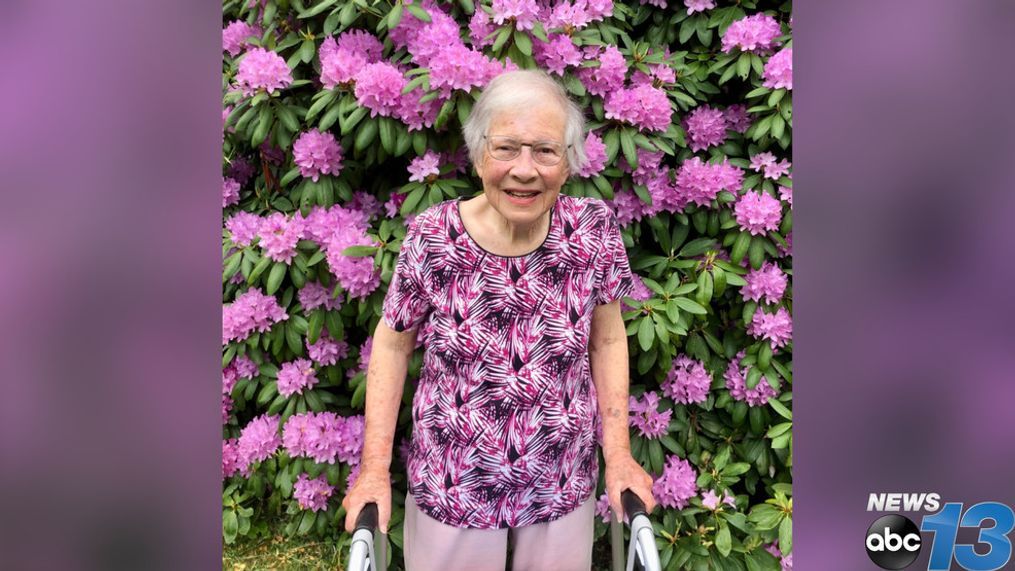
(632, 504)
(367, 518)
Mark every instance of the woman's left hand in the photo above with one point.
(624, 473)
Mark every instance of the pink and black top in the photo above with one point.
(505, 410)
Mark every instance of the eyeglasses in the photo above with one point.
(546, 153)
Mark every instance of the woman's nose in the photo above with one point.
(524, 167)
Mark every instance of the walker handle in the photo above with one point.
(367, 518)
(632, 505)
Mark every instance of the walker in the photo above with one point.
(369, 550)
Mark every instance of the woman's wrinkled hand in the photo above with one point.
(624, 473)
(372, 485)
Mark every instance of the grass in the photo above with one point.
(280, 552)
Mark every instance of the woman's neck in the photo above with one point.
(502, 233)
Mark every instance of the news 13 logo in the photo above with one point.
(894, 541)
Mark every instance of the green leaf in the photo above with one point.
(756, 252)
(259, 268)
(229, 525)
(502, 37)
(740, 247)
(523, 41)
(307, 51)
(387, 131)
(627, 144)
(781, 409)
(314, 326)
(359, 251)
(744, 65)
(418, 12)
(646, 334)
(689, 306)
(365, 135)
(231, 266)
(612, 142)
(275, 277)
(722, 540)
(317, 9)
(395, 15)
(309, 517)
(786, 536)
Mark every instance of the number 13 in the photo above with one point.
(945, 525)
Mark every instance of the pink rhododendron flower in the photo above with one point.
(522, 12)
(230, 192)
(339, 66)
(312, 494)
(603, 508)
(458, 67)
(709, 500)
(779, 70)
(317, 153)
(324, 437)
(480, 27)
(394, 204)
(610, 74)
(227, 405)
(323, 224)
(644, 106)
(698, 5)
(279, 236)
(640, 291)
(776, 327)
(252, 311)
(361, 42)
(431, 39)
(765, 163)
(627, 206)
(676, 485)
(231, 463)
(706, 127)
(785, 562)
(418, 115)
(568, 16)
(235, 36)
(595, 154)
(755, 33)
(658, 76)
(262, 69)
(646, 417)
(241, 170)
(365, 203)
(687, 382)
(295, 376)
(768, 282)
(736, 382)
(353, 476)
(426, 166)
(326, 350)
(379, 88)
(700, 182)
(258, 440)
(558, 54)
(357, 275)
(313, 295)
(758, 212)
(598, 9)
(786, 195)
(737, 118)
(656, 3)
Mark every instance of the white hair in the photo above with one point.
(518, 90)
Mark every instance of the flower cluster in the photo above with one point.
(737, 118)
(779, 70)
(786, 563)
(379, 89)
(768, 282)
(458, 67)
(357, 275)
(279, 235)
(645, 416)
(595, 154)
(480, 28)
(676, 485)
(687, 382)
(558, 54)
(251, 311)
(295, 376)
(523, 13)
(776, 327)
(766, 164)
(312, 494)
(603, 508)
(262, 69)
(700, 182)
(324, 437)
(258, 440)
(755, 33)
(326, 350)
(706, 127)
(758, 212)
(609, 75)
(230, 192)
(343, 58)
(736, 382)
(235, 36)
(313, 295)
(317, 153)
(711, 500)
(643, 105)
(230, 458)
(425, 166)
(698, 5)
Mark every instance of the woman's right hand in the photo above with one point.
(372, 485)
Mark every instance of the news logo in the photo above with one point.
(894, 542)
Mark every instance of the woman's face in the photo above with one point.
(503, 180)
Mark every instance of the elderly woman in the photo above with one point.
(520, 287)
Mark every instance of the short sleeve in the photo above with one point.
(406, 303)
(613, 270)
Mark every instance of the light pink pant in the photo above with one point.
(564, 544)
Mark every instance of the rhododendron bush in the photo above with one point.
(342, 121)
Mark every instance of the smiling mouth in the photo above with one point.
(522, 193)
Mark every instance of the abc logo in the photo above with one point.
(893, 542)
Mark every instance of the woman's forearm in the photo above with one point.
(609, 362)
(389, 361)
